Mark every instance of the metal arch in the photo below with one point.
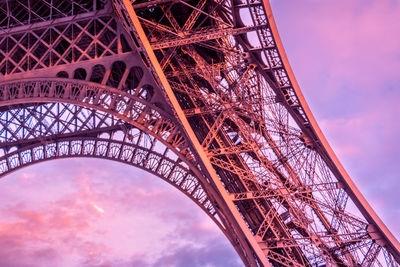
(132, 154)
(58, 130)
(130, 108)
(68, 131)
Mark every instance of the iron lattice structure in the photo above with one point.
(199, 93)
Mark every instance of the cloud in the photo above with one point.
(141, 222)
(214, 253)
(343, 52)
(44, 237)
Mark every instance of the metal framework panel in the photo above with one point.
(199, 93)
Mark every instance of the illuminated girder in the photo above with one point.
(199, 93)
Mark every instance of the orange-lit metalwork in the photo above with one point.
(199, 93)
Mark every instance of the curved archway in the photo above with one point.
(80, 74)
(117, 71)
(98, 72)
(62, 74)
(44, 132)
(168, 169)
(132, 109)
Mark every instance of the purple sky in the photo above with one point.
(345, 55)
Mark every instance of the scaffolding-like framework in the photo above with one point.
(199, 93)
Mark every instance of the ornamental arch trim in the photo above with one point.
(133, 109)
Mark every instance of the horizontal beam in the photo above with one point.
(201, 36)
(153, 3)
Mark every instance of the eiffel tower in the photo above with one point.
(199, 93)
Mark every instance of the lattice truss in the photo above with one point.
(22, 12)
(222, 62)
(75, 80)
(57, 40)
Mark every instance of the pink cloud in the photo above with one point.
(141, 221)
(341, 51)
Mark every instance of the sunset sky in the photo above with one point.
(80, 212)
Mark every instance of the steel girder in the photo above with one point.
(253, 131)
(199, 93)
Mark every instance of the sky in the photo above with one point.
(87, 212)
